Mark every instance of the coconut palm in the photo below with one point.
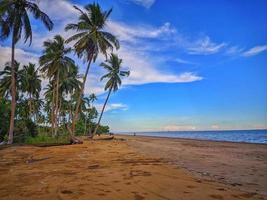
(113, 66)
(31, 84)
(90, 40)
(6, 79)
(69, 84)
(92, 97)
(55, 64)
(15, 21)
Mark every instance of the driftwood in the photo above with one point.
(104, 138)
(74, 140)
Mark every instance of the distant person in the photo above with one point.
(134, 134)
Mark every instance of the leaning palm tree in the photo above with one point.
(31, 84)
(90, 40)
(55, 64)
(15, 21)
(113, 66)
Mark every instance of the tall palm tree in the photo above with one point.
(15, 21)
(113, 66)
(69, 84)
(31, 84)
(55, 64)
(90, 40)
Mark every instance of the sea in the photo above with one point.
(248, 136)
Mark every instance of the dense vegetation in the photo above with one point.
(60, 110)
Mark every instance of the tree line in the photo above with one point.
(64, 106)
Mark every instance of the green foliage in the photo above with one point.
(103, 129)
(24, 129)
(4, 118)
(45, 139)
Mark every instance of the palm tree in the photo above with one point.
(113, 66)
(6, 79)
(55, 64)
(92, 112)
(90, 40)
(14, 21)
(31, 84)
(69, 84)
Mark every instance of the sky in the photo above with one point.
(195, 65)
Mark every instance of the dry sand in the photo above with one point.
(241, 165)
(103, 170)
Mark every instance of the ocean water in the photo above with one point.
(249, 136)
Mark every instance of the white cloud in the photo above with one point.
(24, 57)
(132, 33)
(145, 3)
(112, 107)
(179, 128)
(182, 61)
(254, 51)
(205, 46)
(58, 10)
(144, 71)
(215, 126)
(234, 50)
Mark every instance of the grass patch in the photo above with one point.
(45, 140)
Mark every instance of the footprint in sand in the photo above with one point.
(191, 186)
(66, 192)
(216, 196)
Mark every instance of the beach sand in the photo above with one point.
(118, 169)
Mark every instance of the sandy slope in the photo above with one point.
(100, 170)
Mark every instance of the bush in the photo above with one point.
(4, 118)
(45, 139)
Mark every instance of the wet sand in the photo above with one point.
(112, 169)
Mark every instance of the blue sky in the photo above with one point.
(195, 65)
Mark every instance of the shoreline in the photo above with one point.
(193, 139)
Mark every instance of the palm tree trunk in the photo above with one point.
(56, 111)
(59, 108)
(30, 105)
(13, 93)
(80, 96)
(102, 112)
(53, 109)
(85, 124)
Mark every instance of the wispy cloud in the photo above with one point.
(179, 128)
(129, 33)
(112, 107)
(204, 46)
(143, 70)
(182, 61)
(254, 51)
(144, 3)
(234, 50)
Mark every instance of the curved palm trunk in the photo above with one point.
(13, 93)
(100, 117)
(80, 96)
